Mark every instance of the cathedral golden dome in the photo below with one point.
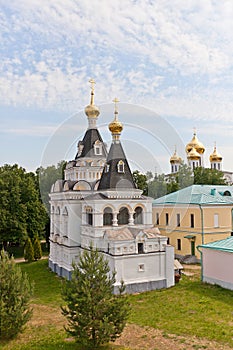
(196, 144)
(115, 126)
(175, 158)
(215, 156)
(91, 110)
(193, 154)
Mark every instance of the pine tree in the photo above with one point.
(95, 315)
(28, 250)
(15, 295)
(37, 248)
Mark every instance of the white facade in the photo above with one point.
(104, 208)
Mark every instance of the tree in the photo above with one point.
(37, 248)
(28, 250)
(22, 213)
(157, 187)
(15, 296)
(95, 315)
(207, 176)
(47, 177)
(140, 181)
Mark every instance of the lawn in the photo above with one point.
(188, 309)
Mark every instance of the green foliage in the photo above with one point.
(205, 176)
(21, 212)
(47, 177)
(15, 294)
(28, 250)
(157, 187)
(140, 181)
(37, 248)
(95, 315)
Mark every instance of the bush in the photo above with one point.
(37, 248)
(28, 250)
(95, 316)
(15, 294)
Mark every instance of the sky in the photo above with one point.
(168, 62)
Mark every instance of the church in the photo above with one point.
(195, 158)
(98, 203)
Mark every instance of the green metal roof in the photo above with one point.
(225, 245)
(198, 194)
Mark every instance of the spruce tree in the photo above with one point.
(15, 294)
(95, 315)
(28, 250)
(37, 248)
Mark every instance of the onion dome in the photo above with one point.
(175, 158)
(91, 110)
(115, 126)
(215, 156)
(196, 144)
(193, 155)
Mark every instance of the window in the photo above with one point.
(121, 166)
(157, 218)
(141, 267)
(216, 223)
(107, 218)
(138, 216)
(178, 220)
(98, 148)
(167, 219)
(140, 248)
(178, 244)
(168, 241)
(106, 169)
(89, 216)
(191, 220)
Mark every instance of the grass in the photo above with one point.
(188, 309)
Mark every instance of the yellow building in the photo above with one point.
(195, 215)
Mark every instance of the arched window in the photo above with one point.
(227, 193)
(121, 166)
(98, 148)
(138, 218)
(108, 216)
(123, 216)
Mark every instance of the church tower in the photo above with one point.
(175, 162)
(91, 155)
(195, 151)
(215, 160)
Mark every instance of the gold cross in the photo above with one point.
(116, 101)
(92, 82)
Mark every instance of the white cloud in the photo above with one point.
(173, 56)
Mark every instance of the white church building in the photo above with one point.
(98, 203)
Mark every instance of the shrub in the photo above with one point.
(28, 250)
(15, 294)
(37, 248)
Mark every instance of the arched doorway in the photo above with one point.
(123, 216)
(107, 217)
(138, 216)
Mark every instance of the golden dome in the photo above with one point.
(215, 156)
(193, 154)
(115, 126)
(195, 143)
(175, 158)
(91, 110)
